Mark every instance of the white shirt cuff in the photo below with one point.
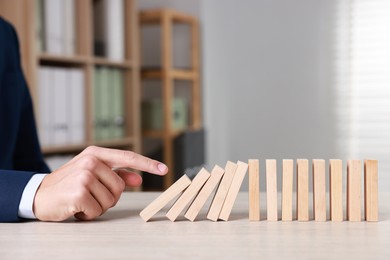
(27, 201)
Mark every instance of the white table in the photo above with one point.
(122, 234)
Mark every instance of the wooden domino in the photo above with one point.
(272, 191)
(336, 189)
(223, 188)
(200, 200)
(188, 195)
(319, 190)
(354, 186)
(254, 190)
(168, 195)
(371, 190)
(287, 189)
(303, 190)
(233, 190)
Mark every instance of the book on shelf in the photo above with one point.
(77, 98)
(56, 26)
(152, 114)
(109, 31)
(61, 106)
(39, 26)
(117, 113)
(108, 103)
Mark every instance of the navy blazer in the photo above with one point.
(20, 153)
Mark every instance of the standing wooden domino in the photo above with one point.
(303, 190)
(319, 189)
(371, 190)
(336, 189)
(200, 200)
(233, 190)
(223, 189)
(354, 186)
(188, 194)
(254, 190)
(287, 189)
(272, 192)
(162, 200)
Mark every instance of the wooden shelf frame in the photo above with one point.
(166, 18)
(21, 13)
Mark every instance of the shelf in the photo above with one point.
(155, 16)
(161, 134)
(60, 59)
(126, 64)
(117, 143)
(177, 74)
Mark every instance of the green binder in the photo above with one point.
(152, 114)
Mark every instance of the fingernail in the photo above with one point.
(162, 167)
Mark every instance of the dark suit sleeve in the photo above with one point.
(20, 154)
(27, 153)
(12, 184)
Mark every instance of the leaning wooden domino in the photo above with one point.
(223, 188)
(233, 190)
(168, 195)
(200, 200)
(196, 184)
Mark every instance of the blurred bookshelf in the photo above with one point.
(68, 49)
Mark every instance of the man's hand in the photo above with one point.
(86, 187)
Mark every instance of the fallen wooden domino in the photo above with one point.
(165, 198)
(227, 183)
(188, 195)
(200, 200)
(223, 188)
(233, 190)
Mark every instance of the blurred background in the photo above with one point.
(203, 82)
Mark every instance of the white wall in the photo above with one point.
(267, 88)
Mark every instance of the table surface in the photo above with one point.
(122, 234)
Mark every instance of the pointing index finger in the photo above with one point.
(121, 159)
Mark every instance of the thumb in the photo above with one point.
(131, 179)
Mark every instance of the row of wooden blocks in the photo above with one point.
(227, 182)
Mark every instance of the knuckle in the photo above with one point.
(85, 177)
(89, 162)
(90, 149)
(129, 155)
